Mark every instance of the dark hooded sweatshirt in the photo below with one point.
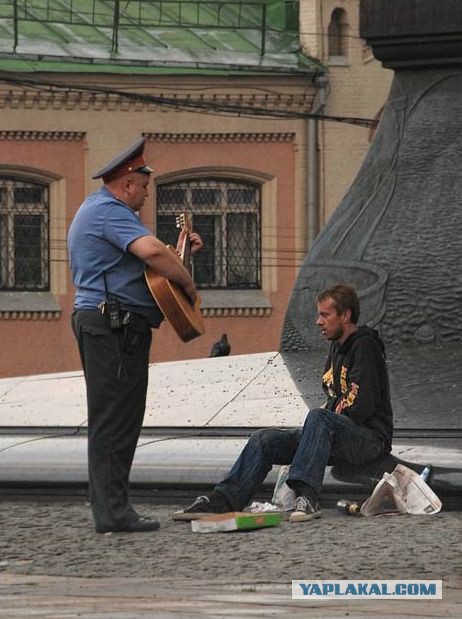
(356, 383)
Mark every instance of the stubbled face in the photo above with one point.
(136, 190)
(331, 324)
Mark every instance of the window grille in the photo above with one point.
(226, 214)
(24, 235)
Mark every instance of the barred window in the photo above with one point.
(24, 235)
(226, 214)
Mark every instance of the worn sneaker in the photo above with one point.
(304, 510)
(203, 506)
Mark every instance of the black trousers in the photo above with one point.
(115, 365)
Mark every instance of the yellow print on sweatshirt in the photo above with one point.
(328, 381)
(348, 395)
(343, 380)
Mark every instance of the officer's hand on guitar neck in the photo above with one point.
(196, 242)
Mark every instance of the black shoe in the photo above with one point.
(203, 506)
(137, 526)
(142, 524)
(304, 510)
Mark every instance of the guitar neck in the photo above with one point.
(186, 254)
(183, 221)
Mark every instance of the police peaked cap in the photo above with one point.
(129, 160)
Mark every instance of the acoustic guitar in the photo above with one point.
(186, 319)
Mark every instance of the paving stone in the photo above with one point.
(53, 565)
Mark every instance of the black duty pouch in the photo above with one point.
(114, 314)
(111, 308)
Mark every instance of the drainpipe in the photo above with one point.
(321, 84)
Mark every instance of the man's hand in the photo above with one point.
(347, 398)
(191, 292)
(196, 242)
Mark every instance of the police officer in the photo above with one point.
(113, 315)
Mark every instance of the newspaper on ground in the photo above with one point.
(283, 496)
(401, 492)
(256, 507)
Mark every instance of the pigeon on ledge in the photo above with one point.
(221, 348)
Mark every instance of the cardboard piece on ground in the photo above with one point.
(254, 508)
(235, 521)
(401, 492)
(187, 517)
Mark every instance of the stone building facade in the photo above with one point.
(245, 175)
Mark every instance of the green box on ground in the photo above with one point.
(235, 521)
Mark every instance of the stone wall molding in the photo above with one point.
(27, 173)
(220, 137)
(60, 98)
(63, 136)
(30, 315)
(242, 174)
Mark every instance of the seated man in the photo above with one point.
(354, 427)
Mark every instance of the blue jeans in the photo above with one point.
(326, 438)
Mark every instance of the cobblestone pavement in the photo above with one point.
(55, 543)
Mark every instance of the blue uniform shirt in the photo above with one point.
(98, 238)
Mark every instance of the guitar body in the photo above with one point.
(174, 304)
